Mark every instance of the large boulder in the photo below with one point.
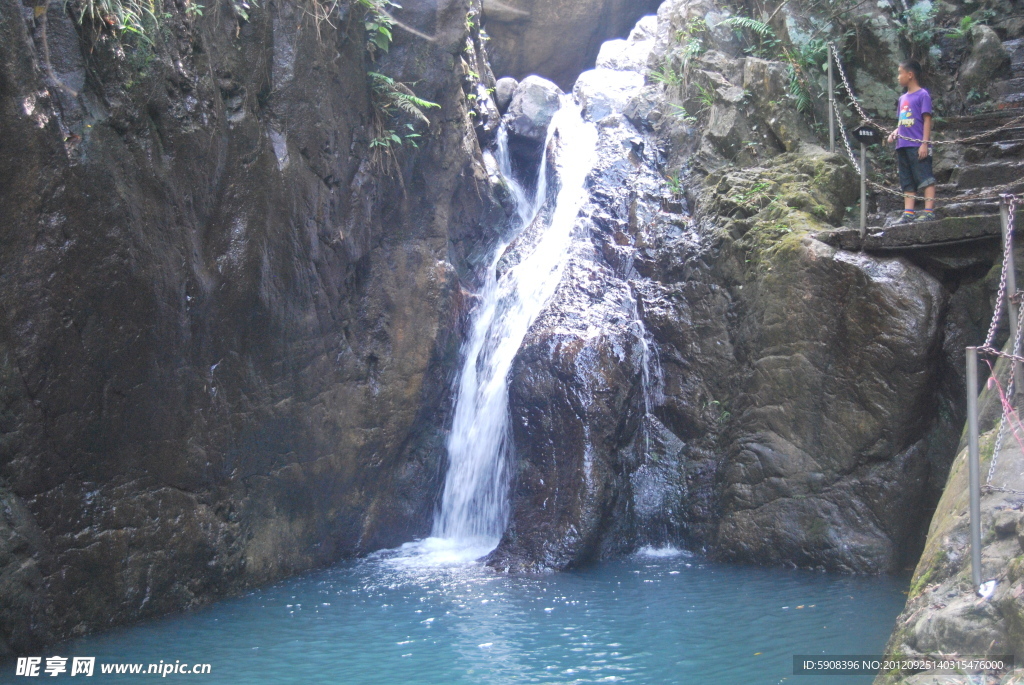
(504, 89)
(619, 75)
(987, 59)
(533, 105)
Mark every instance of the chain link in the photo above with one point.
(1014, 356)
(998, 447)
(842, 132)
(1001, 295)
(1011, 388)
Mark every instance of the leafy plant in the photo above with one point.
(378, 24)
(679, 112)
(750, 199)
(706, 95)
(760, 28)
(241, 8)
(799, 92)
(391, 101)
(767, 44)
(667, 75)
(691, 40)
(136, 18)
(675, 185)
(963, 29)
(920, 29)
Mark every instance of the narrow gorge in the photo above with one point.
(450, 332)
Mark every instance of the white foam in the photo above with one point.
(666, 552)
(435, 553)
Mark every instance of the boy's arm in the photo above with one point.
(923, 151)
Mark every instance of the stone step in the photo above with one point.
(1011, 101)
(977, 153)
(947, 231)
(969, 208)
(1010, 86)
(993, 133)
(988, 175)
(1016, 49)
(951, 192)
(975, 123)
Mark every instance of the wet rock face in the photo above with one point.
(557, 39)
(827, 465)
(227, 333)
(798, 405)
(575, 415)
(595, 475)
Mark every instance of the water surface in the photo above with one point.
(422, 615)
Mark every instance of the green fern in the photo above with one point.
(759, 27)
(391, 99)
(799, 92)
(666, 75)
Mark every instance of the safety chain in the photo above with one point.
(1015, 358)
(849, 90)
(1001, 295)
(993, 352)
(865, 119)
(999, 443)
(842, 131)
(989, 194)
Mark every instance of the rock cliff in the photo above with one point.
(228, 325)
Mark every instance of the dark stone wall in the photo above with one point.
(227, 336)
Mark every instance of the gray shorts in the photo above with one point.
(915, 174)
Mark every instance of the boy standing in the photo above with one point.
(912, 155)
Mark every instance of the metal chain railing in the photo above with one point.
(1015, 351)
(987, 194)
(1001, 293)
(865, 119)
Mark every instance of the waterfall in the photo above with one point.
(650, 371)
(474, 507)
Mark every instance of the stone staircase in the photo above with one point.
(965, 170)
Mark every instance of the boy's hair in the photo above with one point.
(913, 66)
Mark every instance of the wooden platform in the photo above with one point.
(915, 236)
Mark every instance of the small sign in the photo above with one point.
(866, 135)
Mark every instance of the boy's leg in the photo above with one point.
(907, 182)
(926, 185)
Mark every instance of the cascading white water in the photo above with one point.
(474, 509)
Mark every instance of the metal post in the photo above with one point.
(973, 465)
(831, 105)
(1011, 289)
(863, 191)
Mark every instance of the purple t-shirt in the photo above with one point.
(912, 108)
